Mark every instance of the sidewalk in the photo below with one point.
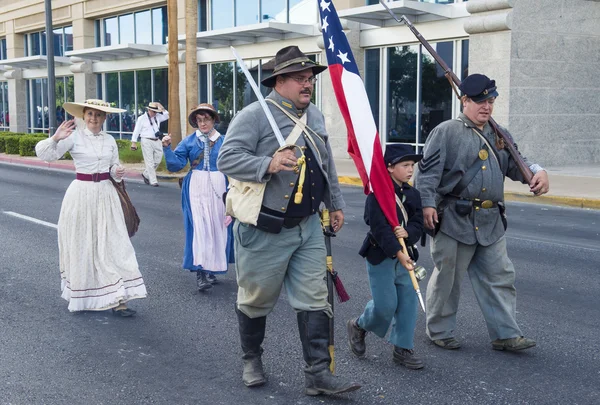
(569, 186)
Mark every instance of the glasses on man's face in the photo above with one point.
(304, 80)
(201, 121)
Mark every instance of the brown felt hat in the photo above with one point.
(291, 59)
(204, 107)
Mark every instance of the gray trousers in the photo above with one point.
(264, 262)
(492, 276)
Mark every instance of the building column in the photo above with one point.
(17, 86)
(84, 81)
(490, 47)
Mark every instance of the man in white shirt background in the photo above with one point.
(147, 128)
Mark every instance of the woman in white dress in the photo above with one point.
(98, 267)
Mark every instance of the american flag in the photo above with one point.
(363, 139)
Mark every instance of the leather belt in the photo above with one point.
(290, 222)
(486, 204)
(96, 177)
(151, 139)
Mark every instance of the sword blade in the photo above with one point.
(260, 98)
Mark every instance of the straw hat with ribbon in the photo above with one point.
(76, 109)
(154, 106)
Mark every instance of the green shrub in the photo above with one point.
(27, 144)
(11, 144)
(67, 156)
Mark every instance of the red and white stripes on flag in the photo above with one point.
(363, 139)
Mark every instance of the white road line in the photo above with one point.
(553, 243)
(31, 219)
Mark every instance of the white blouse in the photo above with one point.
(91, 153)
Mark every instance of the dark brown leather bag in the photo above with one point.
(132, 220)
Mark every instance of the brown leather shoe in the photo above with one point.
(407, 358)
(447, 343)
(513, 344)
(356, 338)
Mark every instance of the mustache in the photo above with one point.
(306, 91)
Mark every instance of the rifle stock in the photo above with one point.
(509, 143)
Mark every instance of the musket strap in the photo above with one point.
(447, 74)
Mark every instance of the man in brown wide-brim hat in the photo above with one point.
(285, 246)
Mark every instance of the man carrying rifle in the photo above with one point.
(286, 246)
(461, 178)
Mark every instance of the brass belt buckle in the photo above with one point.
(487, 204)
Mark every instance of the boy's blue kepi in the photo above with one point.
(478, 87)
(396, 153)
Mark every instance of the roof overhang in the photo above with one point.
(123, 51)
(250, 34)
(417, 11)
(34, 62)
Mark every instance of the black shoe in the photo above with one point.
(145, 179)
(125, 313)
(212, 278)
(407, 358)
(356, 338)
(314, 335)
(252, 334)
(202, 282)
(154, 185)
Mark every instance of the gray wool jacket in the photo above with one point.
(250, 144)
(451, 148)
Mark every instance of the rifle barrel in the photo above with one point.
(509, 143)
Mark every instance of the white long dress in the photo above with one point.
(98, 267)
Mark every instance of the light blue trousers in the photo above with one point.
(264, 262)
(394, 299)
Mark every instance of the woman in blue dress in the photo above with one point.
(208, 230)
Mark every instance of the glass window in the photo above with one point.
(244, 94)
(112, 97)
(126, 30)
(43, 43)
(202, 15)
(159, 26)
(436, 92)
(111, 31)
(372, 66)
(4, 124)
(35, 43)
(246, 12)
(144, 90)
(203, 83)
(161, 87)
(37, 120)
(222, 14)
(274, 10)
(60, 92)
(68, 38)
(127, 101)
(143, 27)
(402, 79)
(58, 42)
(3, 49)
(222, 91)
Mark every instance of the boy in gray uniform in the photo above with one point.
(461, 176)
(286, 247)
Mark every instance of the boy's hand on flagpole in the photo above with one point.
(405, 261)
(400, 232)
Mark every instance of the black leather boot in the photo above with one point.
(252, 334)
(314, 334)
(202, 282)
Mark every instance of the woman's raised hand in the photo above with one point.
(64, 130)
